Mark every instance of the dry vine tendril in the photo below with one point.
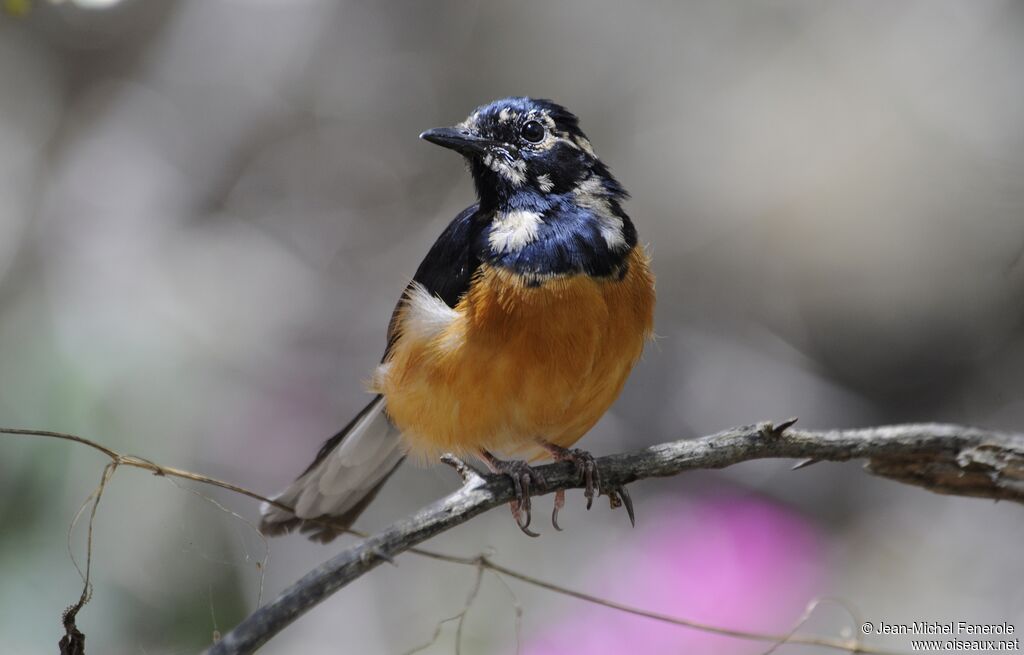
(942, 458)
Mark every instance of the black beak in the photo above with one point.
(458, 139)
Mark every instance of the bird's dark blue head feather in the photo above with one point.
(522, 145)
(548, 205)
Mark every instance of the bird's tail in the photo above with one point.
(347, 473)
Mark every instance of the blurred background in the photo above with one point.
(208, 209)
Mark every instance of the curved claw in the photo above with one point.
(517, 515)
(585, 465)
(559, 503)
(523, 477)
(589, 474)
(586, 468)
(628, 502)
(525, 529)
(588, 491)
(523, 497)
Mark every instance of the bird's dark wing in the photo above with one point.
(448, 267)
(446, 272)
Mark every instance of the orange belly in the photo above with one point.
(513, 363)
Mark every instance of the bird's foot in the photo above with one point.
(585, 465)
(524, 478)
(589, 474)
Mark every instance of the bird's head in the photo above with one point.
(523, 147)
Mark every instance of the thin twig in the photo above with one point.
(805, 640)
(261, 564)
(942, 458)
(517, 606)
(62, 435)
(73, 641)
(806, 616)
(145, 464)
(460, 617)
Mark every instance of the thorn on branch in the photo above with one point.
(619, 497)
(378, 552)
(769, 430)
(804, 463)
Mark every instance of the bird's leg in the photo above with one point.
(585, 464)
(523, 477)
(588, 473)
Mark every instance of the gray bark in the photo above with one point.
(946, 459)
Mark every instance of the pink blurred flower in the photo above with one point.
(738, 562)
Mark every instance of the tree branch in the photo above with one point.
(947, 459)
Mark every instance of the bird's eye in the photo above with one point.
(532, 131)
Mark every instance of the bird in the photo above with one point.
(515, 335)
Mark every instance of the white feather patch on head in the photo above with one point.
(426, 316)
(513, 170)
(506, 116)
(545, 183)
(590, 193)
(590, 189)
(611, 226)
(584, 144)
(514, 230)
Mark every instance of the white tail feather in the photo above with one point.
(342, 478)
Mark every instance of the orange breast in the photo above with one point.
(514, 363)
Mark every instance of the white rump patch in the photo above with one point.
(512, 231)
(426, 315)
